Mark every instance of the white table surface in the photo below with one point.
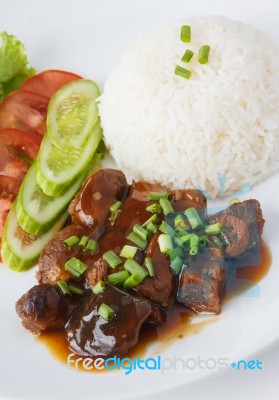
(256, 385)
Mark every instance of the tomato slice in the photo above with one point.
(9, 188)
(21, 141)
(11, 165)
(48, 82)
(25, 111)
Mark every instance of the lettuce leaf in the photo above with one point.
(14, 68)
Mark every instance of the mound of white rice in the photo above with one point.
(222, 122)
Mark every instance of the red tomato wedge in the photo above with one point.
(9, 188)
(48, 82)
(11, 165)
(25, 111)
(20, 141)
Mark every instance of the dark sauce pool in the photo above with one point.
(178, 323)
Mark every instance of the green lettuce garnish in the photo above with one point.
(14, 68)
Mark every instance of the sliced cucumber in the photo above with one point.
(36, 212)
(58, 168)
(73, 113)
(21, 251)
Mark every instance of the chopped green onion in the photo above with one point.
(114, 211)
(91, 246)
(149, 265)
(128, 251)
(187, 237)
(64, 287)
(118, 277)
(203, 54)
(134, 268)
(182, 233)
(194, 241)
(193, 251)
(115, 206)
(154, 208)
(83, 241)
(112, 259)
(153, 218)
(167, 229)
(141, 232)
(202, 241)
(106, 312)
(165, 243)
(180, 71)
(194, 218)
(134, 238)
(234, 201)
(99, 287)
(133, 281)
(180, 223)
(178, 241)
(176, 252)
(75, 267)
(176, 264)
(187, 56)
(75, 289)
(151, 228)
(157, 195)
(218, 242)
(166, 206)
(213, 229)
(71, 241)
(185, 34)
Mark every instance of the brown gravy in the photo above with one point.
(178, 324)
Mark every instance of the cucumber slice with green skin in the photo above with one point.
(73, 113)
(36, 212)
(21, 251)
(58, 168)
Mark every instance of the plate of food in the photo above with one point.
(138, 197)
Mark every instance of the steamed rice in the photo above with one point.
(221, 123)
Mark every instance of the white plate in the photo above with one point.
(88, 37)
